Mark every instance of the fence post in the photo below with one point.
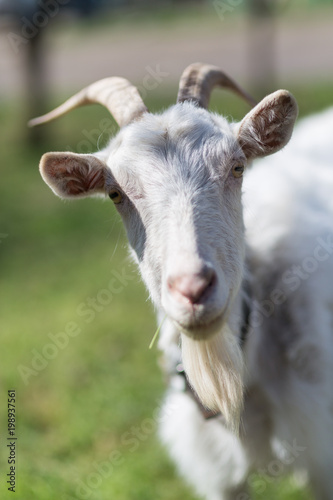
(261, 46)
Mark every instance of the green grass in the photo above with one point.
(91, 406)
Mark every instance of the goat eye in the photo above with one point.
(238, 170)
(116, 196)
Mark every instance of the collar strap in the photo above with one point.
(245, 326)
(206, 413)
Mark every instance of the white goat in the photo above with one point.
(248, 306)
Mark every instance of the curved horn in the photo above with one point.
(198, 81)
(118, 95)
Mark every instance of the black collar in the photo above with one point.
(246, 310)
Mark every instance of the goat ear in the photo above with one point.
(268, 127)
(71, 175)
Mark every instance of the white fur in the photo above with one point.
(182, 207)
(287, 424)
(215, 368)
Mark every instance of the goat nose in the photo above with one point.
(192, 287)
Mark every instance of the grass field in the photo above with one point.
(87, 387)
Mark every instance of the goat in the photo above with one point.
(246, 294)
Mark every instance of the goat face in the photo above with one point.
(176, 180)
(179, 178)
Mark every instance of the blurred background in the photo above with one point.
(88, 389)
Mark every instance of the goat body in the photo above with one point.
(176, 179)
(287, 418)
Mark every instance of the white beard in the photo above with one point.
(214, 369)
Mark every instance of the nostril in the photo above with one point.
(192, 287)
(209, 275)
